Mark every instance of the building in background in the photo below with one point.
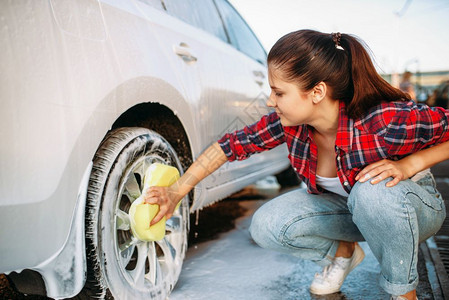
(427, 84)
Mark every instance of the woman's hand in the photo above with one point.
(406, 167)
(166, 198)
(383, 169)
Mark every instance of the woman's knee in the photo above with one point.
(372, 204)
(269, 228)
(280, 231)
(368, 200)
(291, 218)
(261, 228)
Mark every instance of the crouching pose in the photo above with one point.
(363, 148)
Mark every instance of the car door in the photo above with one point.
(253, 84)
(220, 70)
(232, 79)
(196, 45)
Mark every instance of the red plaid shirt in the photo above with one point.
(390, 130)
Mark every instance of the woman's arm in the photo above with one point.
(406, 167)
(168, 197)
(263, 135)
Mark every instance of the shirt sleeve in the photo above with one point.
(263, 135)
(415, 127)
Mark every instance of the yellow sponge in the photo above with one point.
(141, 213)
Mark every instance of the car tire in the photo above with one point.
(119, 265)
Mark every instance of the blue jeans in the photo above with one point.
(392, 220)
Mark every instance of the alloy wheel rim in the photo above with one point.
(145, 265)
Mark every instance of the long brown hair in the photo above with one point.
(308, 57)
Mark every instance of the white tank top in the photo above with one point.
(331, 184)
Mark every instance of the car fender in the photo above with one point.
(64, 273)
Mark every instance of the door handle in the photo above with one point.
(258, 74)
(184, 52)
(259, 82)
(259, 77)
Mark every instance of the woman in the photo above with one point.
(362, 147)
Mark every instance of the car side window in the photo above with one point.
(241, 36)
(199, 13)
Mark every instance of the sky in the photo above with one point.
(403, 35)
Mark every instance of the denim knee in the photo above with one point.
(290, 236)
(259, 229)
(377, 202)
(279, 232)
(366, 201)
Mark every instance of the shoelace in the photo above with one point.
(330, 269)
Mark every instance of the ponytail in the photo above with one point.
(308, 57)
(369, 88)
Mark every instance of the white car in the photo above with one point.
(94, 91)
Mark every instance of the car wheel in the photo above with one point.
(119, 265)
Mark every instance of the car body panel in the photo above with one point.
(69, 70)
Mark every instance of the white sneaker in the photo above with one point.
(333, 275)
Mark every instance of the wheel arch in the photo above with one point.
(161, 119)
